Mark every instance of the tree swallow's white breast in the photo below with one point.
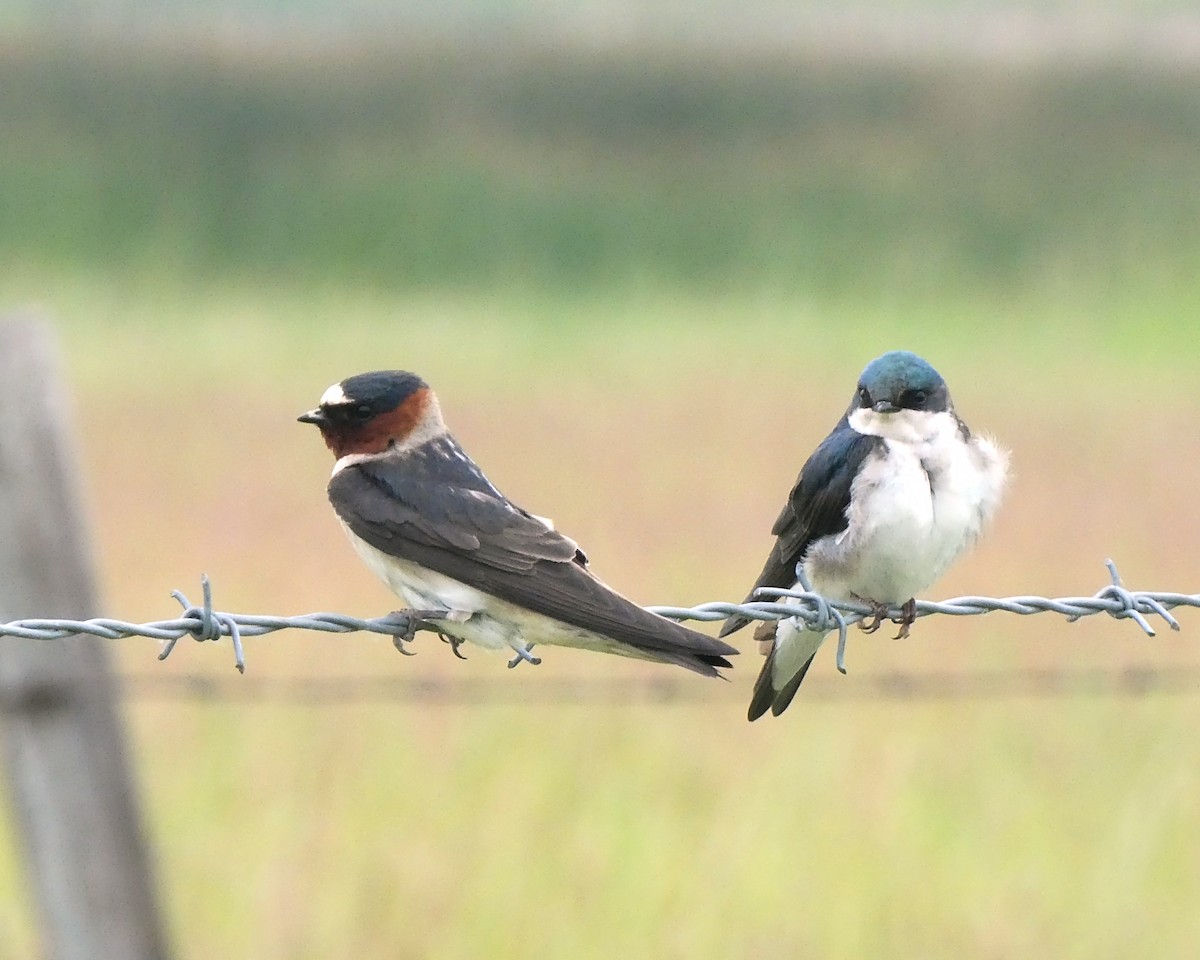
(919, 499)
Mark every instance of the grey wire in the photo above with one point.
(204, 623)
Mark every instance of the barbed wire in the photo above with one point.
(204, 623)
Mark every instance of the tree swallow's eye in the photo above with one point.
(916, 398)
(864, 396)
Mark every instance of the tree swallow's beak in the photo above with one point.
(314, 416)
(881, 406)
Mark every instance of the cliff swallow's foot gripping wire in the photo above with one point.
(523, 654)
(423, 620)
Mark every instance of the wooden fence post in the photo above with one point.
(68, 779)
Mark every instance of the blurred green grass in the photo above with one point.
(643, 290)
(538, 167)
(939, 830)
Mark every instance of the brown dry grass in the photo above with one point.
(1016, 827)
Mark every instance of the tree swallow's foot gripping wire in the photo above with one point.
(908, 614)
(879, 613)
(872, 622)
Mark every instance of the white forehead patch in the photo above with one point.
(333, 396)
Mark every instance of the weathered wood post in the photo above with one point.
(65, 760)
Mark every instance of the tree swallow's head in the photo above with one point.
(900, 380)
(374, 412)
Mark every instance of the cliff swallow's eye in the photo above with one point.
(362, 412)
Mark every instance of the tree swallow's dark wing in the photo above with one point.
(815, 508)
(475, 536)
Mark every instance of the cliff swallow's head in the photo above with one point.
(372, 413)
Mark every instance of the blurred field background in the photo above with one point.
(643, 267)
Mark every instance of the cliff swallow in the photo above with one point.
(470, 563)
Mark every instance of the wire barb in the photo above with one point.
(818, 613)
(210, 625)
(824, 616)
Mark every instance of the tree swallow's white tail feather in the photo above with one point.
(767, 695)
(787, 664)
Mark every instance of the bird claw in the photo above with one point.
(455, 643)
(874, 620)
(908, 614)
(523, 654)
(879, 613)
(422, 620)
(398, 642)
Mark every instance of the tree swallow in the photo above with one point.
(883, 506)
(469, 563)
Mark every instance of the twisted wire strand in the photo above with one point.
(203, 622)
